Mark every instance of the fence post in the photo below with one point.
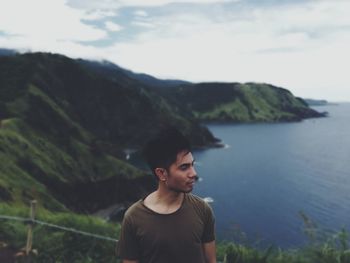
(30, 229)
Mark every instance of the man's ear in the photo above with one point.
(161, 174)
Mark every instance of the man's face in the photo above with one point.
(181, 174)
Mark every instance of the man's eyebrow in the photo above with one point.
(191, 163)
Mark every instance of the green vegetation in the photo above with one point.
(235, 102)
(55, 245)
(35, 167)
(335, 249)
(322, 247)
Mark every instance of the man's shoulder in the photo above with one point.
(197, 201)
(133, 209)
(200, 207)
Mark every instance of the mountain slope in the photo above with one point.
(64, 130)
(65, 126)
(112, 70)
(236, 102)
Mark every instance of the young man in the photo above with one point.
(170, 225)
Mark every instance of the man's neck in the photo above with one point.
(168, 197)
(164, 202)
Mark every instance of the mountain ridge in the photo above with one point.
(64, 129)
(65, 124)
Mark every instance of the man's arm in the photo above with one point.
(209, 252)
(127, 246)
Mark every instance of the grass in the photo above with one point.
(32, 165)
(235, 108)
(322, 247)
(334, 250)
(253, 103)
(55, 245)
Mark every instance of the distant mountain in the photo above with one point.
(112, 70)
(313, 102)
(65, 125)
(236, 102)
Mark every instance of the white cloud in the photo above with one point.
(98, 14)
(111, 26)
(165, 2)
(71, 49)
(94, 4)
(140, 13)
(143, 24)
(115, 4)
(45, 20)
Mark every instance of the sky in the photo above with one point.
(300, 45)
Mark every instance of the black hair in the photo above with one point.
(162, 150)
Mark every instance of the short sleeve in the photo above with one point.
(128, 246)
(209, 227)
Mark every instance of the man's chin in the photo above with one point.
(188, 190)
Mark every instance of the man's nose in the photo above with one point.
(193, 172)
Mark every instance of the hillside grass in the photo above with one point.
(322, 246)
(335, 249)
(55, 245)
(249, 102)
(32, 165)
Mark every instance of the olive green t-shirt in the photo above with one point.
(151, 237)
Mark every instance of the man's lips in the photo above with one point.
(190, 183)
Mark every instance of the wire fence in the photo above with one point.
(68, 229)
(30, 255)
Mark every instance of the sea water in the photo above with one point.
(274, 182)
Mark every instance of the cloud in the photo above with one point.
(143, 24)
(98, 14)
(140, 13)
(45, 21)
(69, 48)
(115, 4)
(111, 26)
(165, 2)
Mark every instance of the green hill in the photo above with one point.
(64, 129)
(65, 125)
(229, 102)
(236, 102)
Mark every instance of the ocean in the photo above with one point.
(279, 184)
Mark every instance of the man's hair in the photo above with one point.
(162, 150)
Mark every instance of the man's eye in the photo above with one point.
(184, 167)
